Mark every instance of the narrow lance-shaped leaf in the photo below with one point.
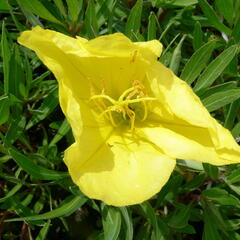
(70, 205)
(211, 170)
(197, 62)
(111, 222)
(11, 192)
(180, 217)
(232, 114)
(225, 7)
(134, 19)
(236, 31)
(47, 106)
(218, 88)
(128, 221)
(39, 9)
(221, 99)
(148, 210)
(15, 129)
(212, 17)
(35, 170)
(63, 130)
(152, 27)
(197, 36)
(43, 232)
(91, 20)
(215, 68)
(4, 109)
(34, 20)
(176, 57)
(74, 8)
(6, 55)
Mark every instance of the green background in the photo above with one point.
(37, 197)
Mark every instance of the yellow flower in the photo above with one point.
(131, 117)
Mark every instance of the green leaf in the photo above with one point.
(211, 170)
(4, 109)
(197, 62)
(36, 7)
(15, 129)
(234, 176)
(6, 55)
(169, 190)
(197, 36)
(212, 17)
(16, 74)
(47, 106)
(134, 20)
(236, 31)
(233, 224)
(43, 232)
(74, 8)
(180, 217)
(11, 192)
(176, 57)
(152, 30)
(71, 204)
(90, 22)
(232, 114)
(29, 15)
(111, 222)
(210, 230)
(106, 13)
(36, 171)
(22, 210)
(62, 131)
(61, 7)
(213, 217)
(235, 188)
(128, 221)
(220, 99)
(225, 7)
(236, 130)
(150, 213)
(194, 183)
(4, 6)
(216, 67)
(184, 3)
(220, 196)
(218, 88)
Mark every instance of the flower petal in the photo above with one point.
(53, 49)
(151, 49)
(121, 172)
(87, 66)
(182, 126)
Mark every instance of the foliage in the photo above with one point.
(37, 197)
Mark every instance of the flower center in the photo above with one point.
(130, 106)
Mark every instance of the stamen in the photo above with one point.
(131, 114)
(145, 111)
(137, 100)
(109, 111)
(111, 100)
(121, 98)
(132, 95)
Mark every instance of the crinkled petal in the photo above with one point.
(180, 118)
(194, 144)
(108, 63)
(120, 172)
(151, 49)
(53, 49)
